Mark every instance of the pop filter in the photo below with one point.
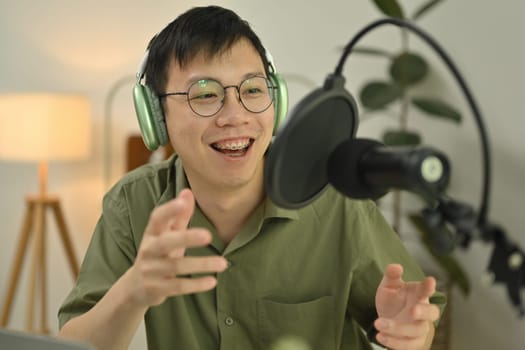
(296, 162)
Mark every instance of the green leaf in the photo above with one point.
(390, 8)
(401, 138)
(408, 68)
(424, 9)
(372, 51)
(378, 94)
(455, 272)
(437, 108)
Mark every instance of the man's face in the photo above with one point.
(226, 150)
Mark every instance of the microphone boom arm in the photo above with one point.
(506, 264)
(486, 165)
(507, 261)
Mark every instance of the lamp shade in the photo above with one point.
(44, 127)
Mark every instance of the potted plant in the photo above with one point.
(399, 92)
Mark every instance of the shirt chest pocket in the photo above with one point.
(311, 322)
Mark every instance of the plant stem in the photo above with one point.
(397, 209)
(403, 113)
(404, 40)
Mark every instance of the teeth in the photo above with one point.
(233, 146)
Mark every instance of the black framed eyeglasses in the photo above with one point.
(206, 96)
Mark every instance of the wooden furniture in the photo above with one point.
(34, 228)
(41, 127)
(137, 154)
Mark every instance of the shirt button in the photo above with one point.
(229, 263)
(229, 321)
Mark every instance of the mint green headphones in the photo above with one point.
(151, 118)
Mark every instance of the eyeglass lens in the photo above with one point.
(206, 96)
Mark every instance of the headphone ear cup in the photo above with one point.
(280, 99)
(150, 116)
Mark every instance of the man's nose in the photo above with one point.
(234, 94)
(233, 98)
(233, 111)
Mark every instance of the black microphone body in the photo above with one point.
(363, 168)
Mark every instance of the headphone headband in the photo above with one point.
(142, 67)
(269, 59)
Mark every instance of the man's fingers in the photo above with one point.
(392, 277)
(393, 342)
(192, 265)
(404, 329)
(404, 335)
(181, 286)
(425, 312)
(174, 243)
(427, 287)
(172, 267)
(162, 288)
(187, 201)
(173, 215)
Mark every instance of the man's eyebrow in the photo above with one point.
(209, 77)
(254, 74)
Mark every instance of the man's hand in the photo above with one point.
(405, 314)
(160, 265)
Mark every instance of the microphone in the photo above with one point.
(295, 166)
(364, 168)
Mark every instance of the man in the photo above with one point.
(195, 248)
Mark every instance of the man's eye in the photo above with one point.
(252, 92)
(204, 96)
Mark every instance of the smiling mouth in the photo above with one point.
(233, 148)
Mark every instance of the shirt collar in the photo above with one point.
(266, 210)
(175, 186)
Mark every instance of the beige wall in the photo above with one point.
(87, 47)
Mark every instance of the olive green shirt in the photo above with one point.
(310, 273)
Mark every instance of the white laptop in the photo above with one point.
(17, 340)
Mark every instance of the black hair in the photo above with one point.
(210, 30)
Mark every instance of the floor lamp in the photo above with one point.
(40, 128)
